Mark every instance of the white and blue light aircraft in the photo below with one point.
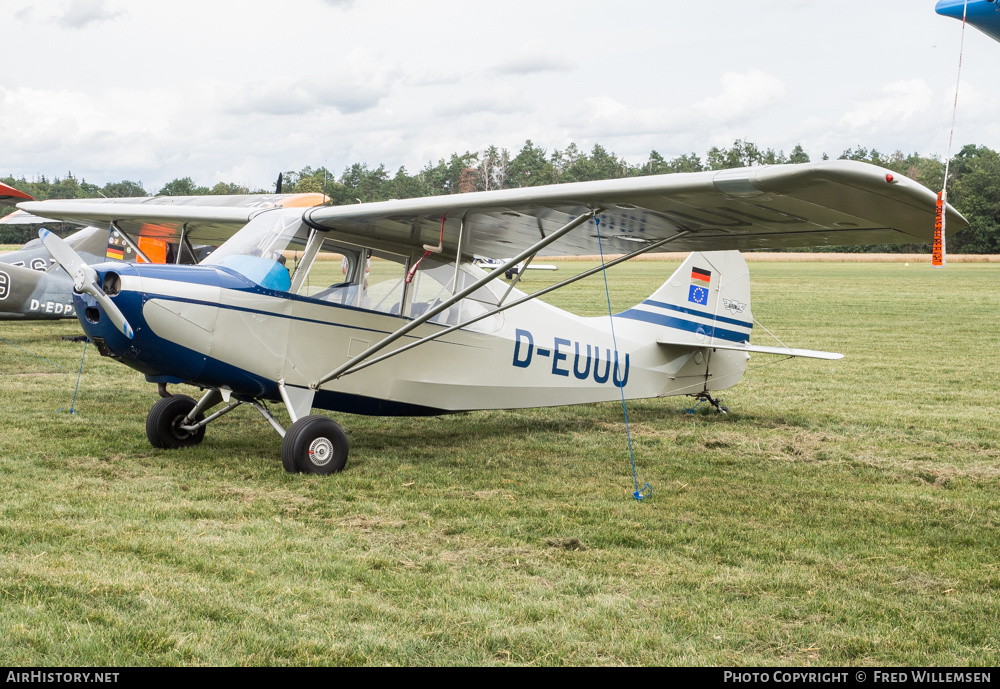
(415, 328)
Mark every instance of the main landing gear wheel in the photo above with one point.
(164, 421)
(314, 445)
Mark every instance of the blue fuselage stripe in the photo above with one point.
(244, 309)
(688, 326)
(701, 314)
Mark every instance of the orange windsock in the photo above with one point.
(938, 258)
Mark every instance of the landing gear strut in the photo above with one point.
(705, 397)
(312, 444)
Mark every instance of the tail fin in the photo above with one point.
(705, 303)
(699, 316)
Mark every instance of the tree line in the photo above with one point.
(973, 187)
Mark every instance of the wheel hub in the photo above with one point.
(320, 451)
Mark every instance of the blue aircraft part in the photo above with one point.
(982, 14)
(263, 271)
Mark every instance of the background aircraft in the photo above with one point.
(10, 195)
(488, 263)
(982, 14)
(34, 287)
(426, 331)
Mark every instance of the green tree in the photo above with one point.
(406, 186)
(864, 155)
(227, 188)
(600, 164)
(743, 154)
(688, 162)
(182, 187)
(444, 178)
(123, 189)
(656, 164)
(494, 169)
(798, 155)
(530, 168)
(975, 192)
(67, 188)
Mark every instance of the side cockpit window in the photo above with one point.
(435, 282)
(278, 252)
(361, 278)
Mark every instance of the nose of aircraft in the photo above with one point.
(86, 279)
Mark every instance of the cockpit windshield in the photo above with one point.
(274, 250)
(257, 251)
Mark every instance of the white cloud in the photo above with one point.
(350, 84)
(900, 102)
(304, 96)
(534, 59)
(153, 95)
(743, 95)
(497, 101)
(81, 13)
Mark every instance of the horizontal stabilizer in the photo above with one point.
(783, 351)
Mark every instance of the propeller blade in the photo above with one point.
(84, 278)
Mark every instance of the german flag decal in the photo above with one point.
(701, 279)
(116, 249)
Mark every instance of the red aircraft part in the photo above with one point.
(12, 195)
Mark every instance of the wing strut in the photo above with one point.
(128, 240)
(504, 307)
(180, 245)
(455, 298)
(458, 253)
(517, 278)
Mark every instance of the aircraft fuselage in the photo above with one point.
(211, 327)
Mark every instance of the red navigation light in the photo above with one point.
(890, 178)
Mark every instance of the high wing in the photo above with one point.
(202, 219)
(21, 218)
(831, 203)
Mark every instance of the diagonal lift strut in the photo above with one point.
(450, 329)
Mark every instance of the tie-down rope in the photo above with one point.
(646, 490)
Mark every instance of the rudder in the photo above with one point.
(706, 300)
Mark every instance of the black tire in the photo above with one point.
(314, 445)
(164, 420)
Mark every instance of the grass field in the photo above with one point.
(844, 513)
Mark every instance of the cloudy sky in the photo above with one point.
(235, 91)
